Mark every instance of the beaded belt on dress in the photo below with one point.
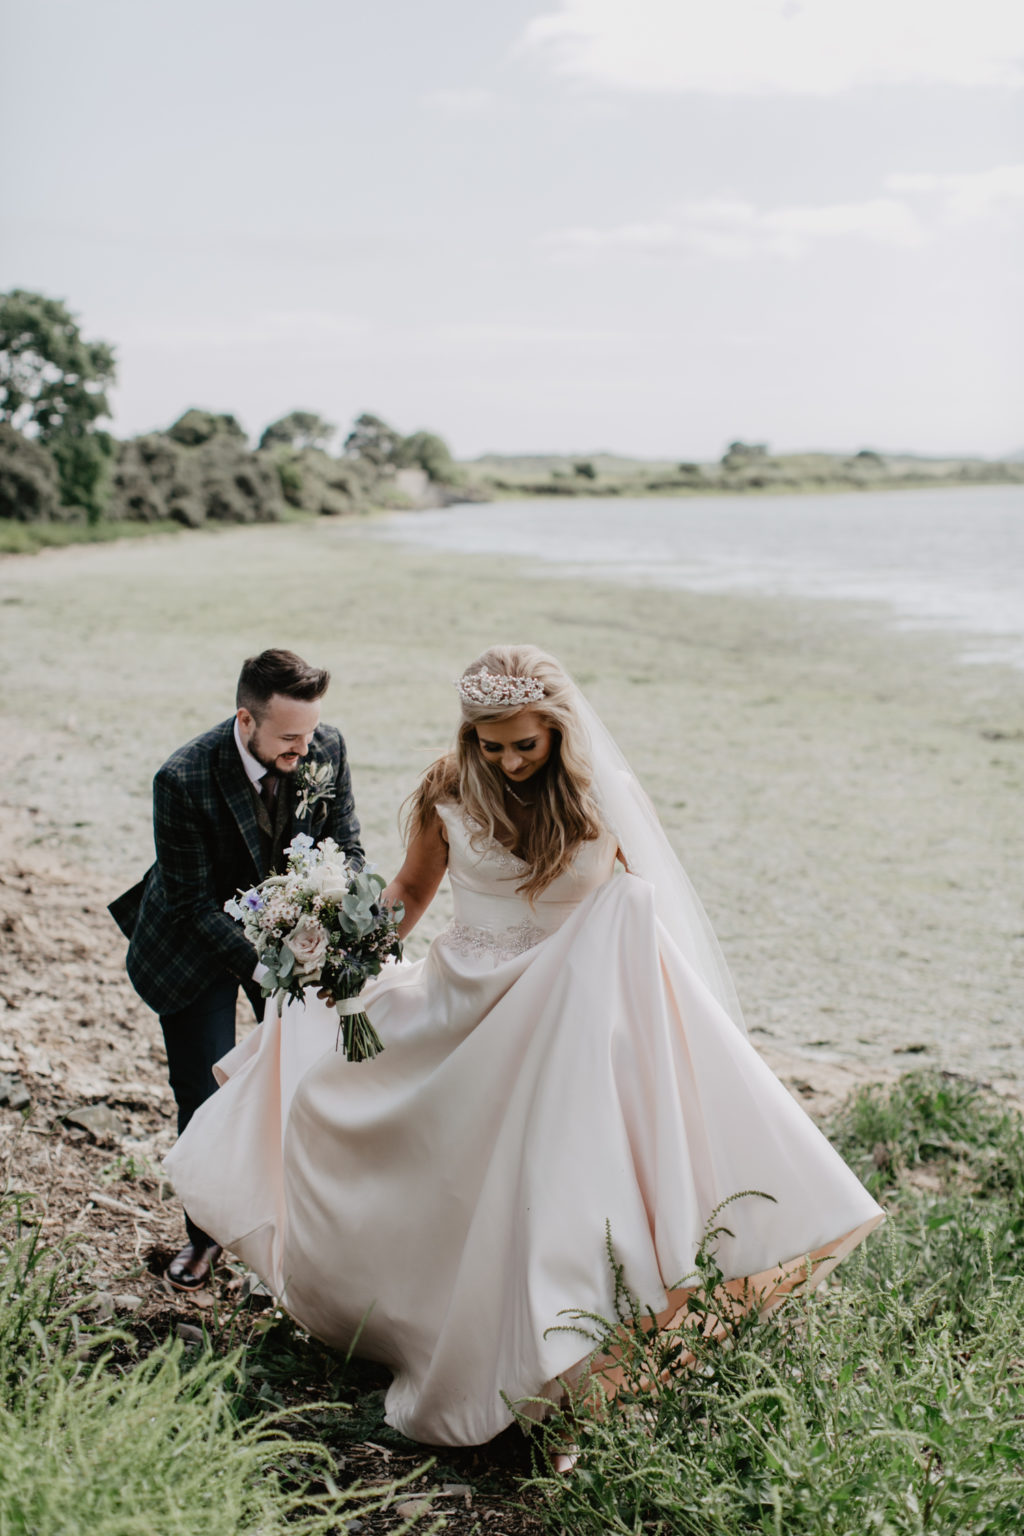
(498, 943)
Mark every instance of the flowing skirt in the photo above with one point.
(447, 1202)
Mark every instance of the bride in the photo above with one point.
(570, 1053)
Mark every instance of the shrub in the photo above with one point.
(197, 426)
(158, 477)
(426, 451)
(84, 464)
(29, 485)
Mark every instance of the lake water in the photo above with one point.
(947, 558)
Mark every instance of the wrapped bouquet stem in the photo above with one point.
(322, 924)
(356, 1035)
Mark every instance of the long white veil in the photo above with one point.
(629, 814)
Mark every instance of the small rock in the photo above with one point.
(13, 1092)
(354, 1527)
(410, 1507)
(98, 1119)
(189, 1334)
(103, 1307)
(252, 1285)
(457, 1491)
(126, 1302)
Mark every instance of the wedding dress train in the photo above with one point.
(547, 1070)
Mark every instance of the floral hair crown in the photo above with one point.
(497, 690)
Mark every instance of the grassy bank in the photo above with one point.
(746, 470)
(30, 538)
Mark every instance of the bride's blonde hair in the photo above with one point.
(565, 813)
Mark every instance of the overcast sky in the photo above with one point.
(650, 226)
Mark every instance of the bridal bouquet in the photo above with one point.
(322, 924)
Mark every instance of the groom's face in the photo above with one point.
(280, 738)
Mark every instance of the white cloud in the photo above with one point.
(788, 47)
(736, 229)
(271, 329)
(513, 333)
(966, 195)
(469, 101)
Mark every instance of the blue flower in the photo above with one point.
(253, 900)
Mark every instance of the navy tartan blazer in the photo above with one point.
(207, 848)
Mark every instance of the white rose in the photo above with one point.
(328, 880)
(308, 943)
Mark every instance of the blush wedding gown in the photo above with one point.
(547, 1070)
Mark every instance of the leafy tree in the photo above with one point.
(585, 470)
(51, 381)
(298, 430)
(373, 440)
(53, 387)
(197, 426)
(425, 450)
(84, 463)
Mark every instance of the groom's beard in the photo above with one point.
(284, 765)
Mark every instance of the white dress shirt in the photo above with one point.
(255, 772)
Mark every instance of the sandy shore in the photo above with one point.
(847, 798)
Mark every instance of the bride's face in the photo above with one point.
(518, 745)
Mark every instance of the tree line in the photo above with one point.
(57, 463)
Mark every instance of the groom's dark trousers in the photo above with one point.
(195, 1037)
(186, 957)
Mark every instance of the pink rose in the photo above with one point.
(308, 943)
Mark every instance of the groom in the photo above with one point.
(225, 807)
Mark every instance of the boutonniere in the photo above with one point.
(315, 782)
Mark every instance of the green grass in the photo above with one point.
(95, 1441)
(893, 1402)
(30, 538)
(795, 484)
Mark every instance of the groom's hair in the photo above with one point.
(277, 672)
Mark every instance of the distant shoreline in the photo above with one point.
(18, 538)
(744, 470)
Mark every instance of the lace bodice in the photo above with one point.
(491, 918)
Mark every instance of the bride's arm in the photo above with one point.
(416, 883)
